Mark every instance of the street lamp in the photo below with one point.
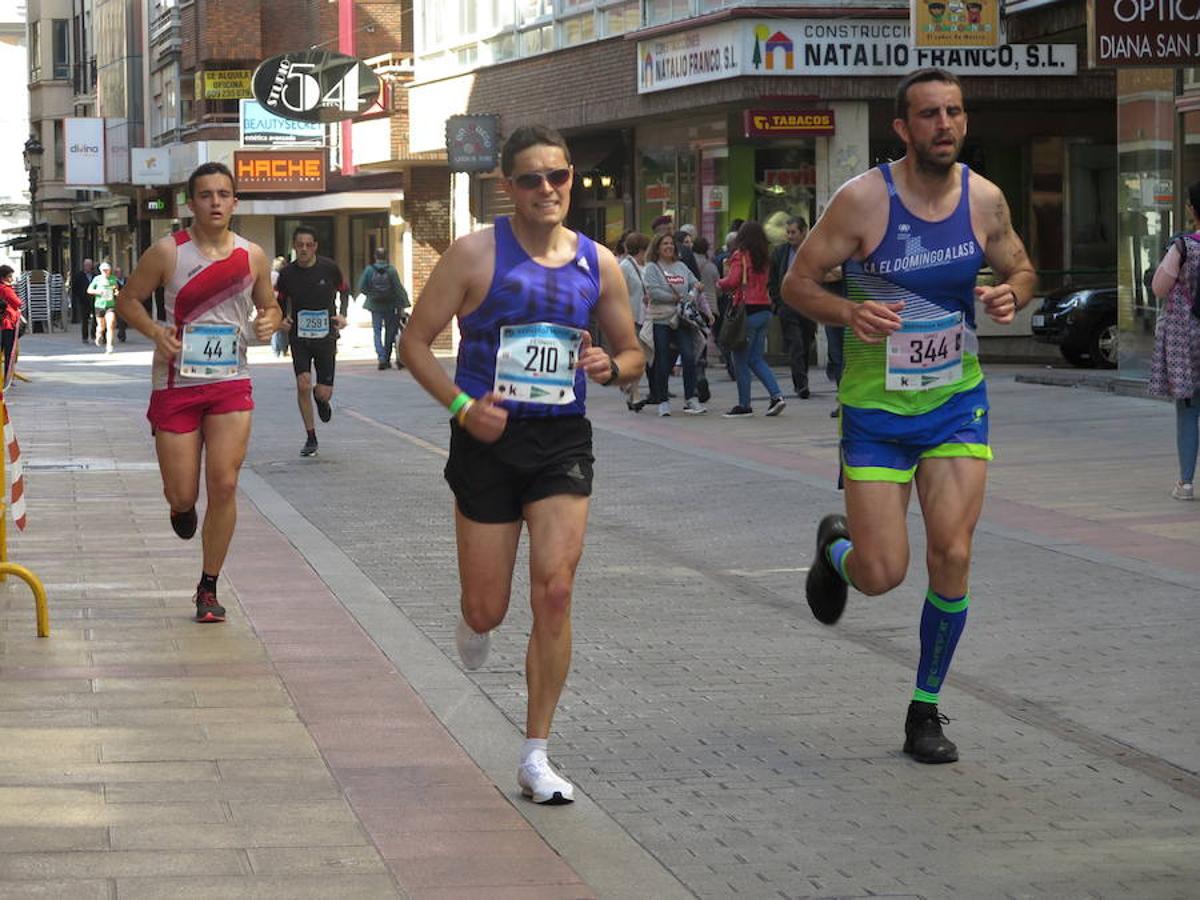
(33, 162)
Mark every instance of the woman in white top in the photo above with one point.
(668, 282)
(633, 264)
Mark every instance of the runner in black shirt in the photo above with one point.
(308, 289)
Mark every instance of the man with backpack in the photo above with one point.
(386, 299)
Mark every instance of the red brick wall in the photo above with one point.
(228, 30)
(427, 211)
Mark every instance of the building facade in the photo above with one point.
(713, 111)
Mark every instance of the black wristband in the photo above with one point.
(615, 370)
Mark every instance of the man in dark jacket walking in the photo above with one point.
(81, 300)
(799, 332)
(386, 299)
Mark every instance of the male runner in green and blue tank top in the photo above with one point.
(914, 235)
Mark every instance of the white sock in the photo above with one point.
(532, 748)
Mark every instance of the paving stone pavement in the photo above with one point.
(749, 750)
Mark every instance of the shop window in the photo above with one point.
(785, 185)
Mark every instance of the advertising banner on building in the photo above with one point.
(274, 171)
(1139, 33)
(316, 86)
(955, 23)
(787, 123)
(224, 84)
(472, 143)
(827, 47)
(262, 128)
(83, 152)
(149, 165)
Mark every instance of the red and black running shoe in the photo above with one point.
(207, 607)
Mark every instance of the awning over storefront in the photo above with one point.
(317, 203)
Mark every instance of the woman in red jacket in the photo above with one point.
(11, 316)
(749, 268)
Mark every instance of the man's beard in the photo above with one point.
(928, 164)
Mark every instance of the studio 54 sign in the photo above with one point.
(315, 86)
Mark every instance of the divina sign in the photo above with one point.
(1161, 33)
(315, 86)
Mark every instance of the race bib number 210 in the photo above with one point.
(536, 363)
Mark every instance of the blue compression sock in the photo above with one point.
(942, 623)
(838, 551)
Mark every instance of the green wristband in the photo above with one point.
(459, 402)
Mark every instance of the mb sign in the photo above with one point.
(315, 86)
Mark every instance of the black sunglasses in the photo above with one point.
(531, 181)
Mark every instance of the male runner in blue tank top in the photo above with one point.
(520, 447)
(914, 235)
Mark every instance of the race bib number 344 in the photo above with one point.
(209, 351)
(925, 354)
(536, 363)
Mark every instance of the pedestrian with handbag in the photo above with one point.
(669, 283)
(749, 272)
(1175, 365)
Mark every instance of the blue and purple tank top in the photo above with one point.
(932, 267)
(524, 292)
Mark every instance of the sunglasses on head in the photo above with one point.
(531, 181)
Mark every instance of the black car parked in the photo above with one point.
(1083, 322)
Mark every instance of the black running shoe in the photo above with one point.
(923, 738)
(824, 587)
(324, 410)
(207, 607)
(184, 523)
(309, 448)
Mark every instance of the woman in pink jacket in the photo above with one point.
(748, 270)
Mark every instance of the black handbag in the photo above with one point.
(732, 336)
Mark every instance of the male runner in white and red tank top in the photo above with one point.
(201, 397)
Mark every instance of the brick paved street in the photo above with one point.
(713, 726)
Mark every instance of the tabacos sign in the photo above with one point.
(315, 86)
(782, 123)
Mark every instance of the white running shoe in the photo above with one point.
(472, 646)
(542, 784)
(664, 408)
(1183, 490)
(693, 407)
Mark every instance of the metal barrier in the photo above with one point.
(10, 568)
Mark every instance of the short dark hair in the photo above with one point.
(798, 221)
(1194, 197)
(209, 168)
(381, 254)
(636, 242)
(700, 246)
(304, 229)
(920, 76)
(5, 271)
(530, 136)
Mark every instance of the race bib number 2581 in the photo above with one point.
(536, 363)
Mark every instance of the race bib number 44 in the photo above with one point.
(536, 363)
(925, 354)
(209, 351)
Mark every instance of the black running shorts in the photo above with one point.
(319, 352)
(534, 459)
